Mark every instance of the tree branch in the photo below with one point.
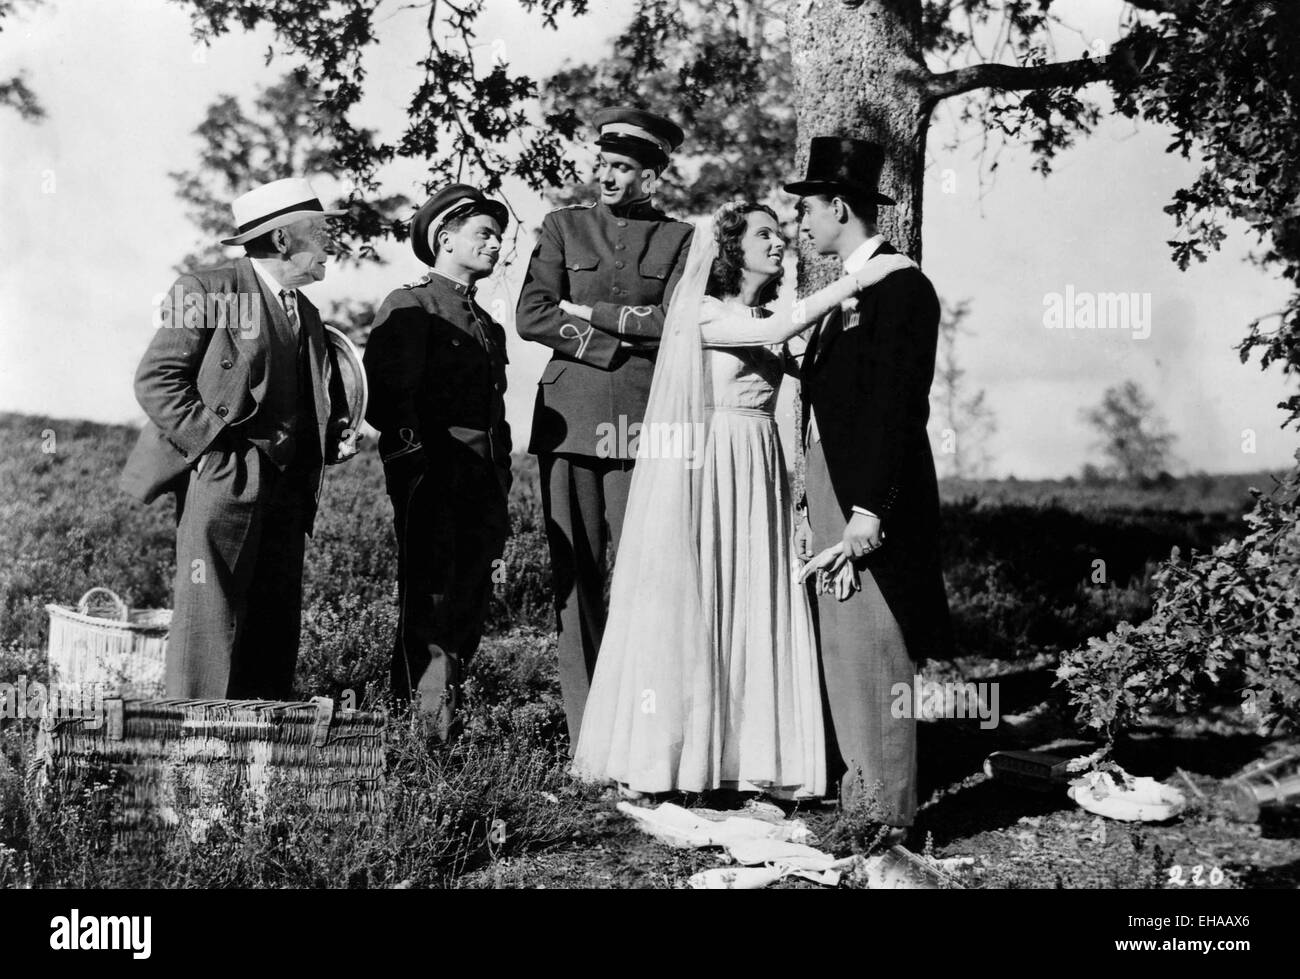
(1161, 6)
(1013, 78)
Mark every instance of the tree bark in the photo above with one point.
(859, 71)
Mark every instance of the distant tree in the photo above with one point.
(1134, 437)
(965, 420)
(14, 91)
(279, 137)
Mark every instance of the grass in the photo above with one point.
(497, 808)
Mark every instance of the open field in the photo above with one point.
(1021, 565)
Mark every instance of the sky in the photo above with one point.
(92, 230)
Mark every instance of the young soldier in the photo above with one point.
(436, 362)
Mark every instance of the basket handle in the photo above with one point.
(123, 613)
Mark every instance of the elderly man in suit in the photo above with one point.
(870, 478)
(236, 385)
(437, 368)
(596, 290)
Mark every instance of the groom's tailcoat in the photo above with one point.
(866, 381)
(866, 375)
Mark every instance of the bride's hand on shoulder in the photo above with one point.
(879, 267)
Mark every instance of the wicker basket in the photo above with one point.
(165, 759)
(122, 652)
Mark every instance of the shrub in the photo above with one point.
(1228, 615)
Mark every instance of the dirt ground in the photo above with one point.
(1014, 837)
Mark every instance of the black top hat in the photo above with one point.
(642, 135)
(452, 199)
(842, 163)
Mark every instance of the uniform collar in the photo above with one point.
(459, 286)
(637, 210)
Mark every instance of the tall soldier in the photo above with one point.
(436, 364)
(597, 287)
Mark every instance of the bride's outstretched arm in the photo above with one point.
(721, 326)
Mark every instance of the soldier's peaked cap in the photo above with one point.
(451, 200)
(644, 135)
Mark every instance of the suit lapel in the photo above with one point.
(827, 327)
(249, 283)
(832, 323)
(311, 322)
(273, 312)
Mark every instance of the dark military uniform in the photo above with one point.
(436, 362)
(623, 262)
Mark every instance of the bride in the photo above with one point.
(708, 674)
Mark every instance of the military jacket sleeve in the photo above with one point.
(539, 316)
(396, 353)
(643, 322)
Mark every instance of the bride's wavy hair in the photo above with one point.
(729, 226)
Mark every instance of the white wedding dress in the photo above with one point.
(708, 674)
(772, 727)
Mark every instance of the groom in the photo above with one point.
(870, 480)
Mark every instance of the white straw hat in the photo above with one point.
(274, 205)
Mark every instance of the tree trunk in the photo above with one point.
(858, 71)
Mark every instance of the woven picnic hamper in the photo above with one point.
(162, 759)
(101, 642)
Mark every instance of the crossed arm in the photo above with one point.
(592, 334)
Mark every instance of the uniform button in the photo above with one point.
(455, 341)
(227, 364)
(622, 224)
(618, 265)
(617, 291)
(221, 410)
(620, 246)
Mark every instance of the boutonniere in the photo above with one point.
(851, 315)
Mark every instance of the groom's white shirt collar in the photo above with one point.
(858, 257)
